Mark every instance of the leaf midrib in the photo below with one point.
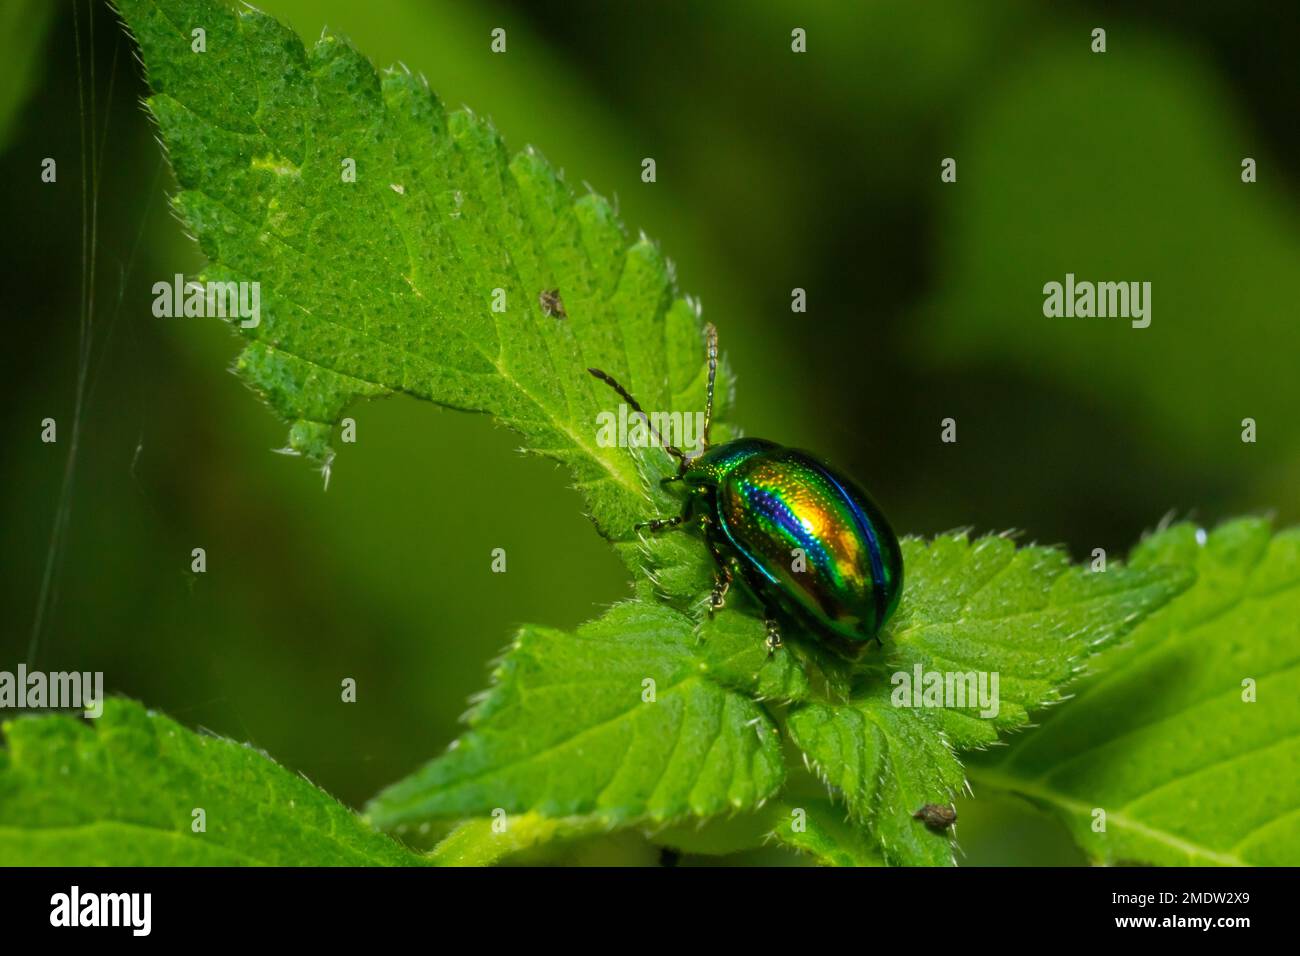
(1050, 795)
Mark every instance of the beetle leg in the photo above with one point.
(723, 575)
(769, 616)
(773, 635)
(659, 524)
(721, 585)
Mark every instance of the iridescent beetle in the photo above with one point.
(805, 540)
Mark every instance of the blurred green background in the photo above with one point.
(775, 170)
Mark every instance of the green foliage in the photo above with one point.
(824, 834)
(656, 716)
(1026, 613)
(968, 607)
(482, 842)
(811, 825)
(887, 762)
(574, 726)
(566, 731)
(1162, 737)
(387, 284)
(121, 791)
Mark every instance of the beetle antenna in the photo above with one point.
(636, 407)
(711, 351)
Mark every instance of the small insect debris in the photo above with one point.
(552, 304)
(936, 816)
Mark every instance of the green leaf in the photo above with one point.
(733, 651)
(386, 284)
(1162, 737)
(122, 790)
(570, 729)
(886, 762)
(1025, 613)
(483, 842)
(818, 828)
(812, 826)
(968, 607)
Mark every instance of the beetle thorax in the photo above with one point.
(712, 467)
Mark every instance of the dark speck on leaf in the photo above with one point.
(936, 816)
(552, 304)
